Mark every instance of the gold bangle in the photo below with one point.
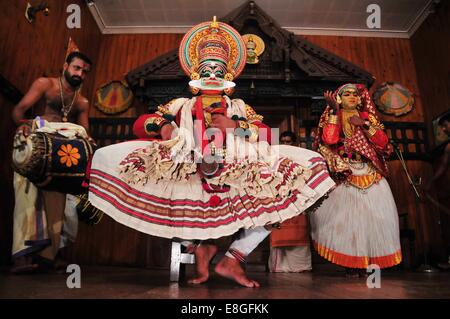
(332, 119)
(372, 130)
(153, 125)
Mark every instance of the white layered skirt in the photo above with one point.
(355, 228)
(183, 209)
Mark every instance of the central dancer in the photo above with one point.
(204, 167)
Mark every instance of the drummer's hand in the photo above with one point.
(24, 129)
(91, 141)
(166, 132)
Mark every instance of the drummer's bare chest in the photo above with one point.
(55, 103)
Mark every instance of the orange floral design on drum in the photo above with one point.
(68, 155)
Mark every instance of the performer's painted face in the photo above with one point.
(212, 74)
(212, 69)
(76, 71)
(350, 99)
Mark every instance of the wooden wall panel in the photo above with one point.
(431, 50)
(28, 51)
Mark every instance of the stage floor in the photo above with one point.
(137, 283)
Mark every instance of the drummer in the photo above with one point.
(39, 214)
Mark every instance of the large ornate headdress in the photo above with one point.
(212, 54)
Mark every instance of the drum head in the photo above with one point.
(22, 152)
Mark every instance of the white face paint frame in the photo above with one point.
(202, 84)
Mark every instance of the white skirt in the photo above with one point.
(355, 228)
(182, 209)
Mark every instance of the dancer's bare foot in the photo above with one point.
(231, 269)
(203, 255)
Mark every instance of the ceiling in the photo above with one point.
(399, 18)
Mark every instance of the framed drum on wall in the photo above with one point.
(114, 97)
(393, 99)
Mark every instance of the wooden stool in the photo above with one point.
(177, 260)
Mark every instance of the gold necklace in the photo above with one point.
(346, 126)
(66, 108)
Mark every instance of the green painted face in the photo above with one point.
(212, 69)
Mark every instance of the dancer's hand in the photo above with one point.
(223, 123)
(166, 132)
(356, 120)
(331, 101)
(25, 130)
